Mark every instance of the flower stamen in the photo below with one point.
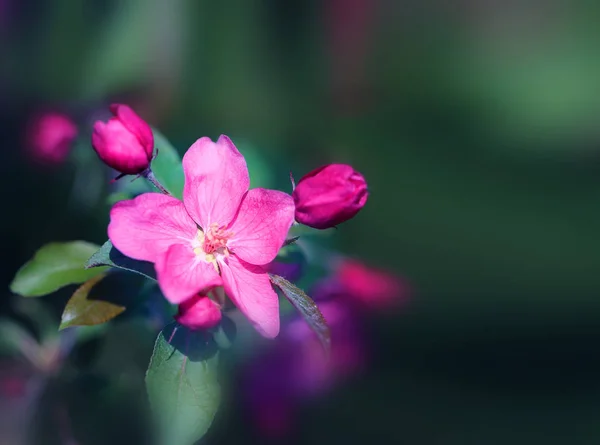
(212, 243)
(216, 239)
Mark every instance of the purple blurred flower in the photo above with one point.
(297, 369)
(313, 372)
(270, 399)
(289, 271)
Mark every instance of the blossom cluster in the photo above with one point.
(222, 233)
(208, 242)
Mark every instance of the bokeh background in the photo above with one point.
(475, 123)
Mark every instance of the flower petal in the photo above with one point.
(216, 178)
(261, 225)
(145, 227)
(182, 274)
(135, 125)
(249, 287)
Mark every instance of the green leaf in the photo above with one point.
(182, 384)
(55, 265)
(108, 255)
(84, 311)
(307, 308)
(166, 166)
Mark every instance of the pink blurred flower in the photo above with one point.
(359, 284)
(329, 195)
(371, 287)
(221, 234)
(125, 142)
(50, 137)
(199, 312)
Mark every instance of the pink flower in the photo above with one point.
(125, 142)
(199, 312)
(221, 234)
(329, 196)
(51, 136)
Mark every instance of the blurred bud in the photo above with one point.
(369, 286)
(125, 142)
(199, 312)
(50, 137)
(329, 196)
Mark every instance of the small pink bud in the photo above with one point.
(125, 142)
(329, 196)
(199, 312)
(50, 137)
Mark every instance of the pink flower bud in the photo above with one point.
(199, 312)
(329, 196)
(50, 137)
(125, 142)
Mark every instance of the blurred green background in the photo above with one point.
(476, 126)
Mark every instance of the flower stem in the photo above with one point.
(149, 175)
